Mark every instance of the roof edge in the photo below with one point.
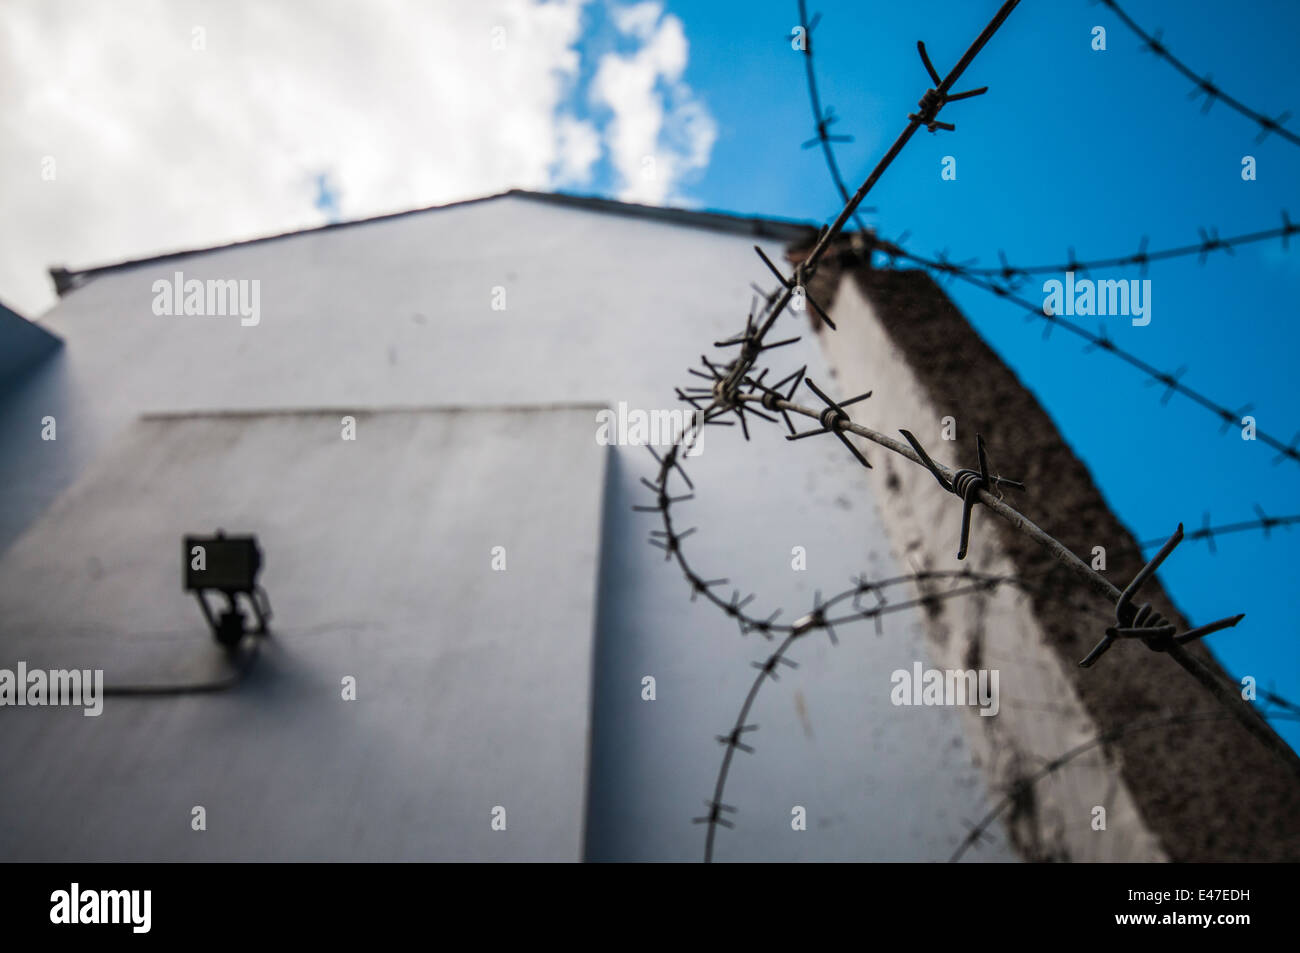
(66, 279)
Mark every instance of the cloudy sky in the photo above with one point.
(136, 127)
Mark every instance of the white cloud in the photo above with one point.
(638, 20)
(658, 132)
(159, 146)
(578, 144)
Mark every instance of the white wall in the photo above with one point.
(470, 684)
(600, 308)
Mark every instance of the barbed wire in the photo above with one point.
(1012, 278)
(1171, 381)
(1131, 621)
(1210, 242)
(822, 617)
(977, 583)
(1264, 524)
(735, 387)
(769, 667)
(1204, 85)
(1290, 708)
(823, 119)
(1017, 790)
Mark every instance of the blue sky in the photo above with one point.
(1072, 147)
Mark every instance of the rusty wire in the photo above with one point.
(1205, 85)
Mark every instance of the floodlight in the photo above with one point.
(228, 565)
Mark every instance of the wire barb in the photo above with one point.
(1144, 623)
(716, 810)
(796, 285)
(965, 483)
(833, 419)
(935, 99)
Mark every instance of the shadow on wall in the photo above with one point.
(618, 656)
(40, 452)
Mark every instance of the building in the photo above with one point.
(407, 412)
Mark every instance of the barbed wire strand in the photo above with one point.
(1018, 788)
(1264, 524)
(1204, 85)
(768, 668)
(1210, 242)
(823, 119)
(1170, 380)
